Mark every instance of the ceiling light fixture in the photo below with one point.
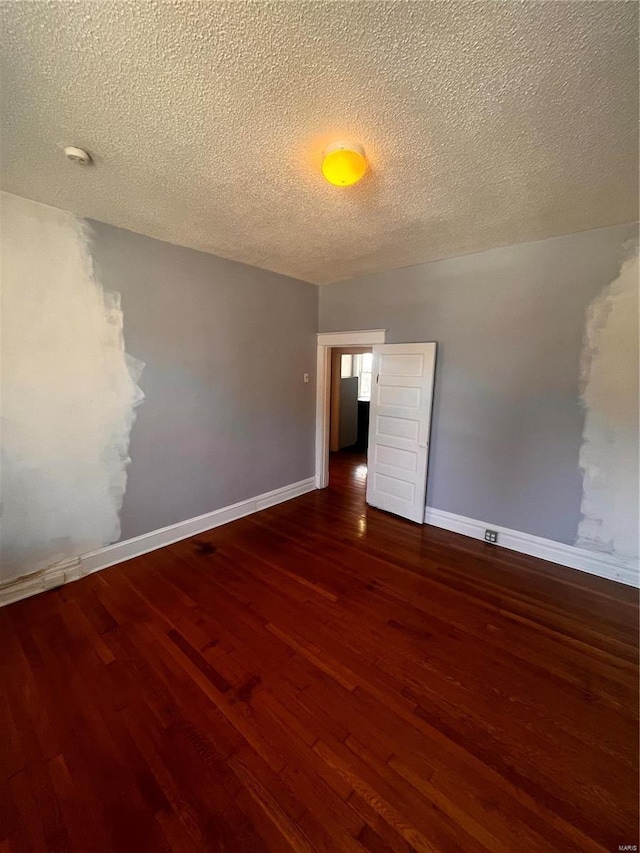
(344, 163)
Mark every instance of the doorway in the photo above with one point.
(399, 381)
(351, 372)
(328, 342)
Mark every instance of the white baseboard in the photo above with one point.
(37, 582)
(593, 562)
(121, 551)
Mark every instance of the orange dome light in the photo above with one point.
(344, 164)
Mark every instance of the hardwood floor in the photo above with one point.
(322, 676)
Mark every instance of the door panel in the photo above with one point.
(399, 428)
(406, 398)
(402, 365)
(403, 430)
(392, 457)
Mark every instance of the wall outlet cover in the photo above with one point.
(491, 536)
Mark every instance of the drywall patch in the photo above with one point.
(609, 453)
(69, 393)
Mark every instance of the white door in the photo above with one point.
(399, 426)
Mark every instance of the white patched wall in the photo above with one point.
(68, 393)
(609, 454)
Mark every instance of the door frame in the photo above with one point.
(325, 342)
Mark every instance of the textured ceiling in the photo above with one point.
(486, 123)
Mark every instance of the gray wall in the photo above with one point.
(507, 419)
(226, 415)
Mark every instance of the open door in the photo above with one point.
(399, 427)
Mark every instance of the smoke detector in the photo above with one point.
(77, 155)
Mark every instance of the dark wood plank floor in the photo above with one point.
(322, 676)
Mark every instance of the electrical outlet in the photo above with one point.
(491, 536)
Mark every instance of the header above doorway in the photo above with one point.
(364, 337)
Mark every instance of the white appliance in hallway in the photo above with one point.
(399, 428)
